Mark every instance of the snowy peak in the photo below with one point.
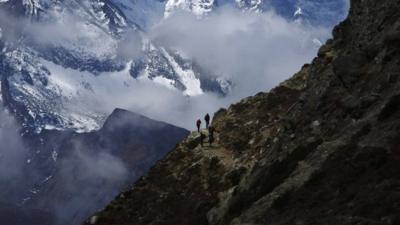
(316, 12)
(252, 5)
(197, 7)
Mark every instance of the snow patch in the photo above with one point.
(165, 82)
(47, 179)
(54, 155)
(317, 42)
(187, 77)
(298, 12)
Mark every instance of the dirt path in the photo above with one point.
(216, 150)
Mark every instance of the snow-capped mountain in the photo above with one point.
(316, 12)
(66, 53)
(59, 56)
(143, 13)
(198, 7)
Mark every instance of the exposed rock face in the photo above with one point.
(321, 148)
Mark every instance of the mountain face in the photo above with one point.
(321, 148)
(67, 176)
(143, 13)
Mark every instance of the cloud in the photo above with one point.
(86, 180)
(12, 151)
(62, 29)
(254, 51)
(13, 156)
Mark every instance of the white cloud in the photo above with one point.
(255, 51)
(13, 155)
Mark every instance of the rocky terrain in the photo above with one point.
(321, 148)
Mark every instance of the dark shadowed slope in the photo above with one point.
(321, 148)
(15, 215)
(67, 176)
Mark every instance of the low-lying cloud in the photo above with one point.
(86, 180)
(13, 156)
(255, 51)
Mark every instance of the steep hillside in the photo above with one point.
(321, 148)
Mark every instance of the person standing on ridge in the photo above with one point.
(207, 119)
(198, 124)
(202, 137)
(211, 131)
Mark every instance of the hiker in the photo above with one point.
(211, 131)
(207, 119)
(198, 124)
(202, 137)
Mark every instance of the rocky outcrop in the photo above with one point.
(321, 148)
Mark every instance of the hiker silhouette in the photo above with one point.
(211, 131)
(202, 137)
(207, 119)
(198, 124)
